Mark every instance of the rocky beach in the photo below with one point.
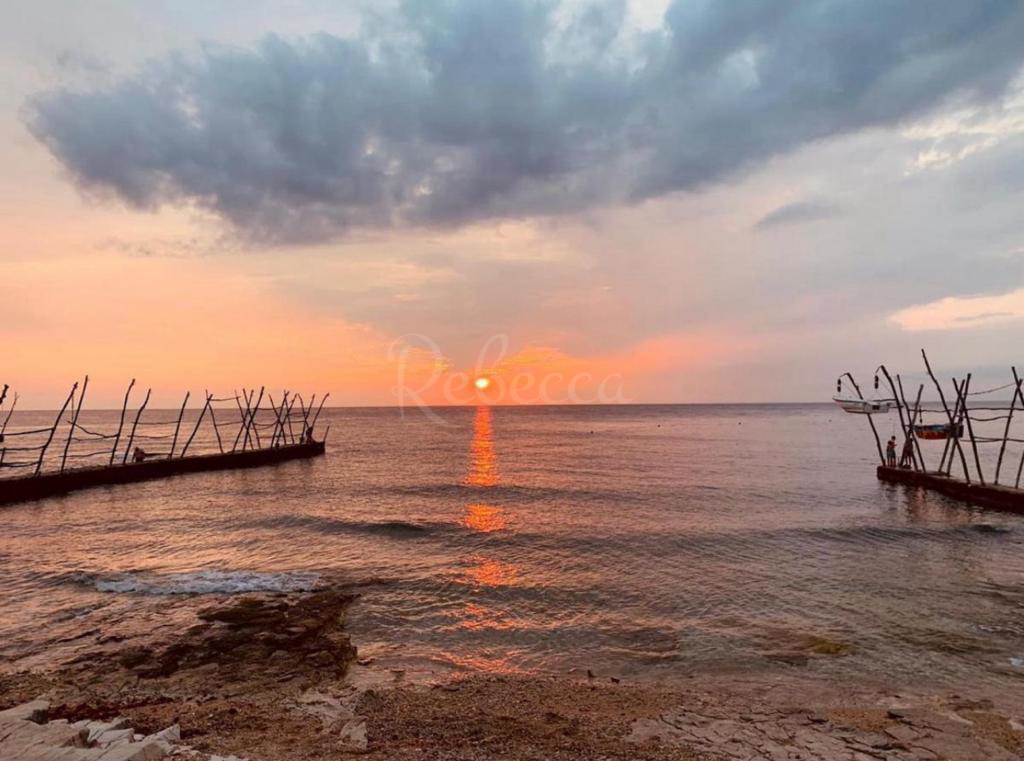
(275, 677)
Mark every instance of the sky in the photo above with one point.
(692, 201)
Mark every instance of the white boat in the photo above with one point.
(864, 406)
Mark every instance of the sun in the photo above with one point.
(482, 383)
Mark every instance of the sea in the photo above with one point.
(646, 542)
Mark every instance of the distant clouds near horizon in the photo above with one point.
(708, 193)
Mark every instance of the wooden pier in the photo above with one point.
(998, 497)
(969, 422)
(32, 487)
(259, 435)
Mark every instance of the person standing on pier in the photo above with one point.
(907, 455)
(890, 452)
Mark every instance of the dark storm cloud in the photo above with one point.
(464, 110)
(798, 211)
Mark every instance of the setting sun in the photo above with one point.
(482, 383)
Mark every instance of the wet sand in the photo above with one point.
(276, 677)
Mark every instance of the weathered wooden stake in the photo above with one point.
(14, 403)
(252, 419)
(195, 430)
(135, 425)
(241, 418)
(317, 417)
(216, 430)
(1009, 419)
(288, 418)
(277, 416)
(74, 423)
(181, 414)
(120, 425)
(952, 424)
(899, 403)
(970, 429)
(878, 442)
(42, 452)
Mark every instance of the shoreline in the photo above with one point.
(275, 676)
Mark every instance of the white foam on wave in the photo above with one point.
(206, 582)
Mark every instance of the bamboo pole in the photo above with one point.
(135, 425)
(970, 429)
(74, 423)
(878, 442)
(952, 425)
(1009, 419)
(195, 430)
(216, 430)
(181, 414)
(120, 425)
(42, 452)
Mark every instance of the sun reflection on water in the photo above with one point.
(483, 464)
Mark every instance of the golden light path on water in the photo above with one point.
(485, 518)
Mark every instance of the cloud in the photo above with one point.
(798, 211)
(458, 111)
(962, 312)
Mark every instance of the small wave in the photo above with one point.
(200, 582)
(339, 526)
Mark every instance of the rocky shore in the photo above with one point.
(276, 678)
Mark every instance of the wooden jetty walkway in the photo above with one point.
(998, 497)
(258, 436)
(970, 417)
(30, 487)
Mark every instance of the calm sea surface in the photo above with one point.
(644, 541)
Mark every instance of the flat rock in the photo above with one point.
(35, 710)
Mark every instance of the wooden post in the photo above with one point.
(252, 419)
(911, 416)
(305, 415)
(241, 418)
(947, 447)
(14, 403)
(952, 424)
(878, 442)
(317, 417)
(899, 404)
(198, 422)
(181, 414)
(216, 430)
(42, 452)
(74, 423)
(135, 425)
(277, 417)
(288, 418)
(895, 396)
(970, 429)
(1009, 419)
(120, 425)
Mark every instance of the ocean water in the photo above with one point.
(649, 542)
